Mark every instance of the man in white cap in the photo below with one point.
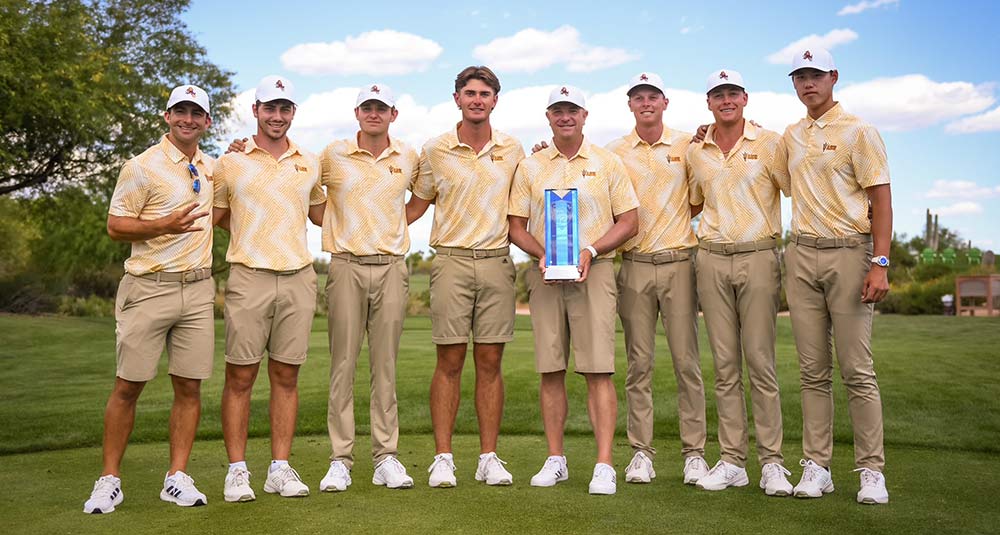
(837, 269)
(581, 312)
(365, 232)
(265, 194)
(466, 172)
(167, 295)
(656, 278)
(739, 280)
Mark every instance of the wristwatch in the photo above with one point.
(880, 261)
(593, 251)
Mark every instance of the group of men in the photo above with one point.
(637, 196)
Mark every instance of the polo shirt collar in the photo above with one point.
(584, 151)
(176, 155)
(634, 140)
(830, 116)
(750, 132)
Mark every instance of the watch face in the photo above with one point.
(882, 261)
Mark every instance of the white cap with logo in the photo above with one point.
(646, 78)
(189, 93)
(567, 93)
(724, 77)
(813, 58)
(379, 92)
(275, 87)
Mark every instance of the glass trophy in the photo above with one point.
(562, 236)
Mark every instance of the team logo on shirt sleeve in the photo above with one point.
(827, 146)
(395, 170)
(749, 156)
(496, 158)
(673, 159)
(301, 168)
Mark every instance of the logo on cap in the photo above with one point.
(564, 91)
(807, 56)
(723, 75)
(190, 91)
(643, 77)
(279, 85)
(375, 89)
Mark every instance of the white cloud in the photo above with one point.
(381, 53)
(914, 101)
(530, 50)
(961, 189)
(829, 41)
(987, 122)
(865, 5)
(960, 208)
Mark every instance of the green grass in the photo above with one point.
(939, 387)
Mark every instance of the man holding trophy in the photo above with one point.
(571, 206)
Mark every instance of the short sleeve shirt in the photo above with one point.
(659, 176)
(831, 160)
(740, 191)
(366, 198)
(154, 184)
(603, 190)
(470, 191)
(268, 201)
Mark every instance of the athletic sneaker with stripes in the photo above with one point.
(179, 488)
(106, 495)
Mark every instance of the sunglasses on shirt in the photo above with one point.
(196, 184)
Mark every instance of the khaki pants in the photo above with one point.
(824, 294)
(739, 296)
(369, 298)
(647, 291)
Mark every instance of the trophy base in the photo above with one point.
(561, 273)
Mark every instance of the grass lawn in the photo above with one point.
(939, 387)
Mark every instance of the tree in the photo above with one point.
(83, 84)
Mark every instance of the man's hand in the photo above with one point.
(182, 220)
(238, 145)
(584, 266)
(876, 285)
(539, 146)
(698, 137)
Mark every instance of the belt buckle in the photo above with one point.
(728, 248)
(189, 276)
(476, 254)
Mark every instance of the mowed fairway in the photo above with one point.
(940, 391)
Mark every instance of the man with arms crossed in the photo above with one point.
(739, 280)
(657, 279)
(838, 169)
(584, 310)
(467, 174)
(264, 194)
(364, 230)
(167, 295)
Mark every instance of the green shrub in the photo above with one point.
(91, 306)
(918, 297)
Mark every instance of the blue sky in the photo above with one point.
(925, 73)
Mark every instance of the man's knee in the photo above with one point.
(126, 391)
(451, 360)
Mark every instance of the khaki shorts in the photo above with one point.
(151, 314)
(268, 311)
(472, 296)
(584, 312)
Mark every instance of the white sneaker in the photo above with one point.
(491, 470)
(603, 481)
(179, 488)
(337, 478)
(442, 472)
(816, 481)
(723, 475)
(773, 480)
(107, 494)
(285, 481)
(640, 470)
(873, 489)
(391, 473)
(695, 468)
(237, 486)
(553, 471)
